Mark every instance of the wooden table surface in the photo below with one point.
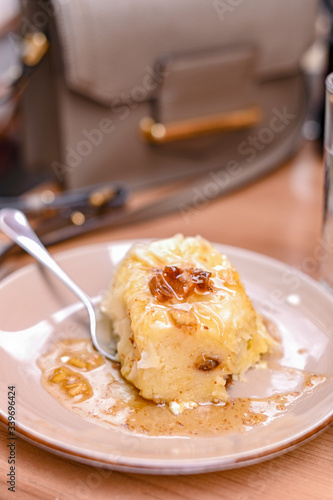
(279, 216)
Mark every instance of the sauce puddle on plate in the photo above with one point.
(86, 384)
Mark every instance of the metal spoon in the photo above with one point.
(15, 225)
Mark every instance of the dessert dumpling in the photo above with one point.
(184, 321)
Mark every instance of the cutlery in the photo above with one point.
(15, 225)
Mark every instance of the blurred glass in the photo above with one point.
(326, 256)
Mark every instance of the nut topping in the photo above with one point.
(179, 283)
(72, 383)
(206, 363)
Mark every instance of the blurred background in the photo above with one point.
(16, 178)
(81, 106)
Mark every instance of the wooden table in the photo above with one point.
(279, 216)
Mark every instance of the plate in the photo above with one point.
(36, 309)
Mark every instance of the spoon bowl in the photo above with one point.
(14, 224)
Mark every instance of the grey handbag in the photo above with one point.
(159, 90)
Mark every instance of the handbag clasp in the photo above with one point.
(160, 133)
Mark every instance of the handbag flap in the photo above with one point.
(110, 48)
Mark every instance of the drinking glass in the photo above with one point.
(326, 259)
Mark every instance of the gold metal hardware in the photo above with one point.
(34, 48)
(78, 218)
(47, 197)
(159, 133)
(101, 197)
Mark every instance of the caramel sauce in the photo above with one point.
(173, 282)
(102, 396)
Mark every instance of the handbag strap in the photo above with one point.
(186, 201)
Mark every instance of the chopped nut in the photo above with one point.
(79, 363)
(71, 382)
(59, 375)
(75, 389)
(86, 361)
(179, 283)
(183, 318)
(206, 363)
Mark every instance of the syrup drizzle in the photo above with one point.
(112, 402)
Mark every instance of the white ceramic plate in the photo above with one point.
(35, 309)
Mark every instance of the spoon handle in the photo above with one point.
(15, 225)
